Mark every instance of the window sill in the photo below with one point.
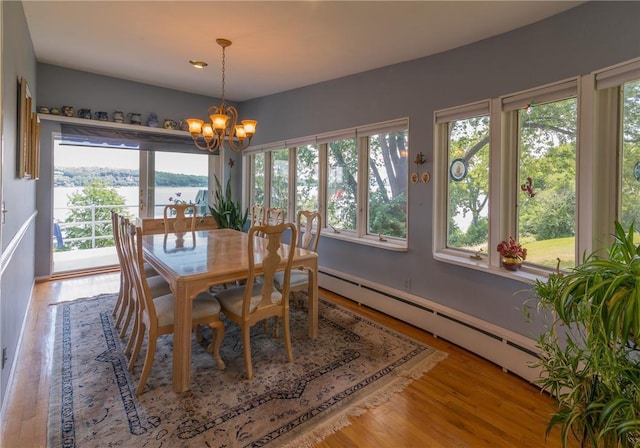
(526, 274)
(393, 244)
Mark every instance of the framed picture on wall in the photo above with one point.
(34, 147)
(24, 130)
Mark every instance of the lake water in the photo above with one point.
(131, 195)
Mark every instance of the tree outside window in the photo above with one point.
(342, 188)
(468, 184)
(279, 179)
(388, 184)
(257, 178)
(547, 178)
(307, 177)
(630, 185)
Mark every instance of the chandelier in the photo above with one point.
(223, 126)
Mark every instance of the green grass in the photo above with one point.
(547, 252)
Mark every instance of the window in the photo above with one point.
(387, 204)
(547, 173)
(180, 178)
(617, 122)
(342, 187)
(307, 178)
(508, 167)
(468, 184)
(461, 159)
(280, 179)
(357, 179)
(257, 179)
(630, 185)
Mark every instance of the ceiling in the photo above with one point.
(277, 46)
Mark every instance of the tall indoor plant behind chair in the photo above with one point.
(226, 212)
(589, 352)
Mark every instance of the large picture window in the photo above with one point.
(342, 187)
(307, 178)
(356, 178)
(387, 204)
(468, 184)
(547, 179)
(630, 175)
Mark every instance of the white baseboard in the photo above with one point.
(511, 351)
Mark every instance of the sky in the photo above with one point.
(82, 156)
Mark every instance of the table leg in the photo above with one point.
(181, 340)
(312, 317)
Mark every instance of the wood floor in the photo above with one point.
(464, 401)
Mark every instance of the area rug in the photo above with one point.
(354, 364)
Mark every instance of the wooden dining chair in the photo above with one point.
(124, 308)
(256, 301)
(308, 226)
(257, 215)
(156, 313)
(158, 286)
(181, 222)
(274, 216)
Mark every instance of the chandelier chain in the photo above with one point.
(223, 60)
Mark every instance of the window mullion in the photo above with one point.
(323, 181)
(268, 156)
(293, 185)
(496, 209)
(363, 186)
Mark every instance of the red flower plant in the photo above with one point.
(512, 249)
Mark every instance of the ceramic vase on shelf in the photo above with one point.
(511, 263)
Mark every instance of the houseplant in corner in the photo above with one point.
(512, 254)
(227, 213)
(589, 351)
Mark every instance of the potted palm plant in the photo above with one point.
(589, 351)
(227, 213)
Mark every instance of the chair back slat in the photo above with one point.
(182, 223)
(274, 216)
(306, 222)
(271, 263)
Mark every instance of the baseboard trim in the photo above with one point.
(511, 351)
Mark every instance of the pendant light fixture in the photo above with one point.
(223, 125)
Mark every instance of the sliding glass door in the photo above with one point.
(90, 181)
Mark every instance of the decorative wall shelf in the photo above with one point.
(113, 125)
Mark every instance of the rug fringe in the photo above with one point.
(341, 419)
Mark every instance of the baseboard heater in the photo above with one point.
(511, 351)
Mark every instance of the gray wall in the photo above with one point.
(591, 36)
(18, 60)
(60, 86)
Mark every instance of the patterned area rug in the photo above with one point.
(353, 365)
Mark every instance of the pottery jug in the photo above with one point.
(170, 124)
(102, 116)
(67, 111)
(43, 109)
(134, 118)
(84, 113)
(153, 120)
(54, 111)
(184, 125)
(118, 116)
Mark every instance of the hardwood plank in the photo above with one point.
(464, 401)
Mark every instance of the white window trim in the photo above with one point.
(503, 160)
(361, 134)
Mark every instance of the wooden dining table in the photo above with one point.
(194, 261)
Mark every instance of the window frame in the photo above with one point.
(361, 134)
(503, 173)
